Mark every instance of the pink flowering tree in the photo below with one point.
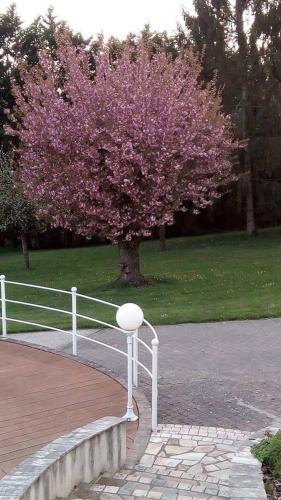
(118, 152)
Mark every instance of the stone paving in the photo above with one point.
(181, 462)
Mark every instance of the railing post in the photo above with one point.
(3, 306)
(130, 415)
(74, 320)
(136, 358)
(154, 404)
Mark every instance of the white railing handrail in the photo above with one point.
(82, 316)
(37, 286)
(38, 306)
(24, 322)
(133, 340)
(100, 301)
(94, 299)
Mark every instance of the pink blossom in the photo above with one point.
(122, 153)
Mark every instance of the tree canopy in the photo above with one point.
(119, 153)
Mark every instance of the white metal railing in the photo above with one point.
(133, 339)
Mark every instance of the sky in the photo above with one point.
(110, 17)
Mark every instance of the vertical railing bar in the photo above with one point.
(136, 358)
(130, 415)
(74, 320)
(3, 306)
(154, 402)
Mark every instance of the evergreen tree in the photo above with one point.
(22, 44)
(240, 42)
(10, 26)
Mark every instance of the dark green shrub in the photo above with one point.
(268, 452)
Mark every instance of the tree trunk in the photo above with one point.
(130, 263)
(24, 246)
(250, 207)
(247, 124)
(162, 238)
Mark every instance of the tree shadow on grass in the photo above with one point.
(152, 281)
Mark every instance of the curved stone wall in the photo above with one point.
(79, 456)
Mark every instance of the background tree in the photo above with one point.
(10, 26)
(239, 42)
(118, 156)
(212, 32)
(17, 213)
(18, 43)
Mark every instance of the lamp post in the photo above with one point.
(130, 317)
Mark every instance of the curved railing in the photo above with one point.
(133, 339)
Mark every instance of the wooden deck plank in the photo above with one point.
(44, 395)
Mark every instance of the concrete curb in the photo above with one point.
(143, 406)
(246, 476)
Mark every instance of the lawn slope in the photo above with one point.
(205, 278)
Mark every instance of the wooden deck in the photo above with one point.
(45, 395)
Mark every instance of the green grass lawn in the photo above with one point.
(205, 278)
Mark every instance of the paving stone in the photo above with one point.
(111, 489)
(158, 482)
(225, 465)
(224, 491)
(194, 457)
(204, 449)
(245, 492)
(172, 483)
(173, 441)
(172, 495)
(147, 460)
(209, 460)
(196, 469)
(109, 496)
(175, 450)
(211, 491)
(184, 486)
(176, 473)
(134, 477)
(146, 479)
(120, 475)
(211, 468)
(153, 448)
(128, 488)
(187, 443)
(220, 474)
(154, 494)
(139, 493)
(97, 487)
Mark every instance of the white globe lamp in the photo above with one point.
(129, 317)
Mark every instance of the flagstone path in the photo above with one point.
(183, 463)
